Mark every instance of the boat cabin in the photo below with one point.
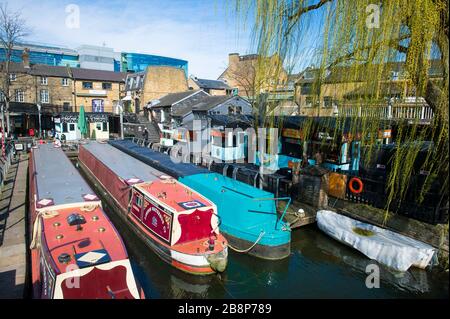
(76, 252)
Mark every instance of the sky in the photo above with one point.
(203, 32)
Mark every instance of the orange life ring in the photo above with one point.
(360, 185)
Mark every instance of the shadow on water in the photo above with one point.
(318, 267)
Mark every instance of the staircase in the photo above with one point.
(135, 127)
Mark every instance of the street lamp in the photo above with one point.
(39, 110)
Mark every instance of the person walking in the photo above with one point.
(145, 135)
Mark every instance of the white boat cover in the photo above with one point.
(387, 247)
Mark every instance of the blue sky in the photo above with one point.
(200, 31)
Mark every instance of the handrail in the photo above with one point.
(277, 199)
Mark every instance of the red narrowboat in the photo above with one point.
(177, 223)
(76, 252)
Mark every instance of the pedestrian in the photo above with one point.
(145, 134)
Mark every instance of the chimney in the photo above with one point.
(26, 58)
(233, 60)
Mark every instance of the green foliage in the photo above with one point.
(408, 30)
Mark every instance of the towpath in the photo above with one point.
(12, 231)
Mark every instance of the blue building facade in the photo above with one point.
(137, 62)
(45, 55)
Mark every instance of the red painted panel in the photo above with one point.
(94, 285)
(135, 207)
(157, 221)
(194, 226)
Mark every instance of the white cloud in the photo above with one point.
(195, 31)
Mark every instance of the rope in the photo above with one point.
(37, 227)
(261, 234)
(89, 208)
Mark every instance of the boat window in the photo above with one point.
(105, 127)
(138, 200)
(72, 127)
(64, 128)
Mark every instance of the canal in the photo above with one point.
(318, 267)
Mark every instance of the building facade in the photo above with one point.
(97, 91)
(155, 82)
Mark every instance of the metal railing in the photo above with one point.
(407, 111)
(5, 163)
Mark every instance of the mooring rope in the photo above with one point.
(261, 234)
(37, 228)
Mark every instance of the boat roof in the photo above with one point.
(174, 194)
(97, 242)
(206, 177)
(122, 164)
(57, 180)
(160, 161)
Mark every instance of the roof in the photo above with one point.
(173, 98)
(57, 178)
(98, 75)
(209, 102)
(211, 84)
(205, 103)
(155, 159)
(121, 164)
(49, 70)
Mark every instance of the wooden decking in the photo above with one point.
(12, 231)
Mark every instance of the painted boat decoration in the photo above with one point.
(76, 252)
(389, 248)
(251, 226)
(177, 223)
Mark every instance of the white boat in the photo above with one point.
(389, 248)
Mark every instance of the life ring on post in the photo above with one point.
(360, 185)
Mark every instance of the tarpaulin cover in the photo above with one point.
(389, 248)
(160, 161)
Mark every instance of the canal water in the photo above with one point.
(318, 267)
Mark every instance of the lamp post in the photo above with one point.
(120, 107)
(39, 111)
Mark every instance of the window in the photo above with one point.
(98, 126)
(71, 127)
(12, 77)
(44, 96)
(64, 128)
(238, 109)
(66, 106)
(308, 101)
(105, 127)
(65, 82)
(327, 101)
(44, 80)
(106, 86)
(87, 85)
(20, 96)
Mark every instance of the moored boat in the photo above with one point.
(249, 216)
(177, 223)
(387, 247)
(76, 252)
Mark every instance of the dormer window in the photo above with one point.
(12, 77)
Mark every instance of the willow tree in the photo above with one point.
(364, 36)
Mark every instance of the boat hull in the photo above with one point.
(260, 251)
(192, 264)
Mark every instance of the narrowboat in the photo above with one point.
(177, 223)
(249, 217)
(76, 252)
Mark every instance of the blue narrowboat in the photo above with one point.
(248, 214)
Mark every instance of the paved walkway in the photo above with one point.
(12, 232)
